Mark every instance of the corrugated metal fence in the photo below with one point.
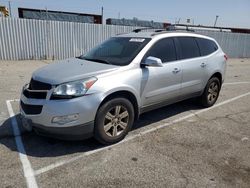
(36, 39)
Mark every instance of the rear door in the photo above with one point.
(208, 50)
(193, 66)
(161, 84)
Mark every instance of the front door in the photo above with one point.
(160, 84)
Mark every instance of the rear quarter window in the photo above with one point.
(188, 47)
(206, 46)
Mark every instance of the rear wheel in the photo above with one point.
(113, 121)
(211, 92)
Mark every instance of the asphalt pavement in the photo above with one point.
(181, 145)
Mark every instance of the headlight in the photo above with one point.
(73, 89)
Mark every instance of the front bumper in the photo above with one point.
(78, 132)
(86, 108)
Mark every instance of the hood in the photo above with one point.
(70, 70)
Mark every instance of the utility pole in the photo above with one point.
(216, 19)
(10, 9)
(102, 15)
(47, 18)
(178, 20)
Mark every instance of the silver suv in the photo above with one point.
(103, 92)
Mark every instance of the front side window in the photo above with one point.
(117, 50)
(164, 50)
(188, 47)
(206, 46)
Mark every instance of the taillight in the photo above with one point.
(226, 57)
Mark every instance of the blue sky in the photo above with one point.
(235, 13)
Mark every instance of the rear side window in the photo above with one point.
(188, 47)
(206, 46)
(164, 50)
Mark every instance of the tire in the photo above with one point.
(113, 121)
(211, 92)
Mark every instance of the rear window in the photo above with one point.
(206, 46)
(188, 47)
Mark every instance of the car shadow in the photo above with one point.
(38, 146)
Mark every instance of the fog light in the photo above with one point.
(65, 119)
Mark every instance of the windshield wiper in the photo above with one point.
(96, 60)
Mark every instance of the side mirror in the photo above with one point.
(153, 62)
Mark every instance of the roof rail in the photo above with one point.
(158, 30)
(145, 28)
(171, 28)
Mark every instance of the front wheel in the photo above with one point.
(113, 121)
(211, 92)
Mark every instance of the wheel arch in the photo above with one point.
(218, 75)
(123, 94)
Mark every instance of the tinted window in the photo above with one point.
(188, 47)
(164, 50)
(206, 46)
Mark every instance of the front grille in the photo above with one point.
(31, 109)
(37, 90)
(36, 85)
(34, 95)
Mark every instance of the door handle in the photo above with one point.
(203, 65)
(176, 70)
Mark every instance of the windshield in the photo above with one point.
(116, 51)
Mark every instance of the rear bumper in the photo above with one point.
(78, 132)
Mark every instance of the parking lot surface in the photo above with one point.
(181, 145)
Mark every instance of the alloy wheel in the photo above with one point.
(116, 121)
(213, 92)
